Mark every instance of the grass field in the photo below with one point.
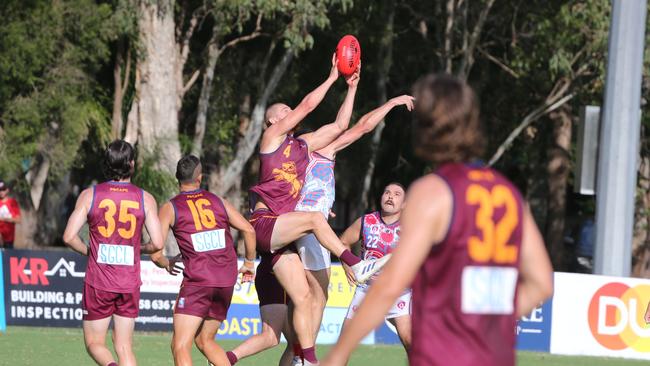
(22, 346)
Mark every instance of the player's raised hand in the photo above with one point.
(334, 72)
(406, 100)
(353, 80)
(646, 317)
(173, 267)
(248, 271)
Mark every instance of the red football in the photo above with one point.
(348, 54)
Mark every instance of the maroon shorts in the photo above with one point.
(269, 289)
(263, 221)
(204, 302)
(99, 304)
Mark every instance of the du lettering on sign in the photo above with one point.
(600, 316)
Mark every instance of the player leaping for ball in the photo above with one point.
(379, 233)
(318, 194)
(201, 223)
(465, 229)
(115, 212)
(283, 161)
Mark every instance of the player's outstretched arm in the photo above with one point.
(536, 272)
(415, 244)
(166, 216)
(308, 104)
(329, 132)
(366, 124)
(238, 221)
(76, 221)
(351, 236)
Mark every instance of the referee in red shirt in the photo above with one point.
(9, 216)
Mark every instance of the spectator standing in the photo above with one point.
(9, 216)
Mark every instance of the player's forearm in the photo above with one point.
(530, 296)
(75, 243)
(249, 245)
(313, 99)
(345, 112)
(149, 248)
(374, 117)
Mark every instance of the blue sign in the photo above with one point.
(3, 319)
(243, 321)
(534, 330)
(386, 334)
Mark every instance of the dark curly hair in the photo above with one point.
(118, 160)
(446, 127)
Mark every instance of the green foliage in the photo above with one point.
(50, 101)
(157, 182)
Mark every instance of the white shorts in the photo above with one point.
(313, 255)
(401, 307)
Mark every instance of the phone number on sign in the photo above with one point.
(146, 304)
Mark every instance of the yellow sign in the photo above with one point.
(340, 292)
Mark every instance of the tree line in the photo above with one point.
(195, 76)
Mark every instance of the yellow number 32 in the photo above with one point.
(494, 244)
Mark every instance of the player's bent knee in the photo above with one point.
(317, 219)
(202, 342)
(270, 338)
(301, 299)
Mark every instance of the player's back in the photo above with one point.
(202, 231)
(282, 175)
(464, 294)
(319, 190)
(115, 222)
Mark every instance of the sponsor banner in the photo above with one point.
(330, 327)
(156, 311)
(600, 316)
(340, 291)
(43, 288)
(243, 322)
(157, 280)
(534, 330)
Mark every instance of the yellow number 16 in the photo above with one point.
(202, 214)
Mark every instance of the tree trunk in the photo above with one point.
(449, 27)
(558, 169)
(37, 177)
(470, 48)
(120, 88)
(157, 102)
(206, 91)
(385, 57)
(223, 179)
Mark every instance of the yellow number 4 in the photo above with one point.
(287, 151)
